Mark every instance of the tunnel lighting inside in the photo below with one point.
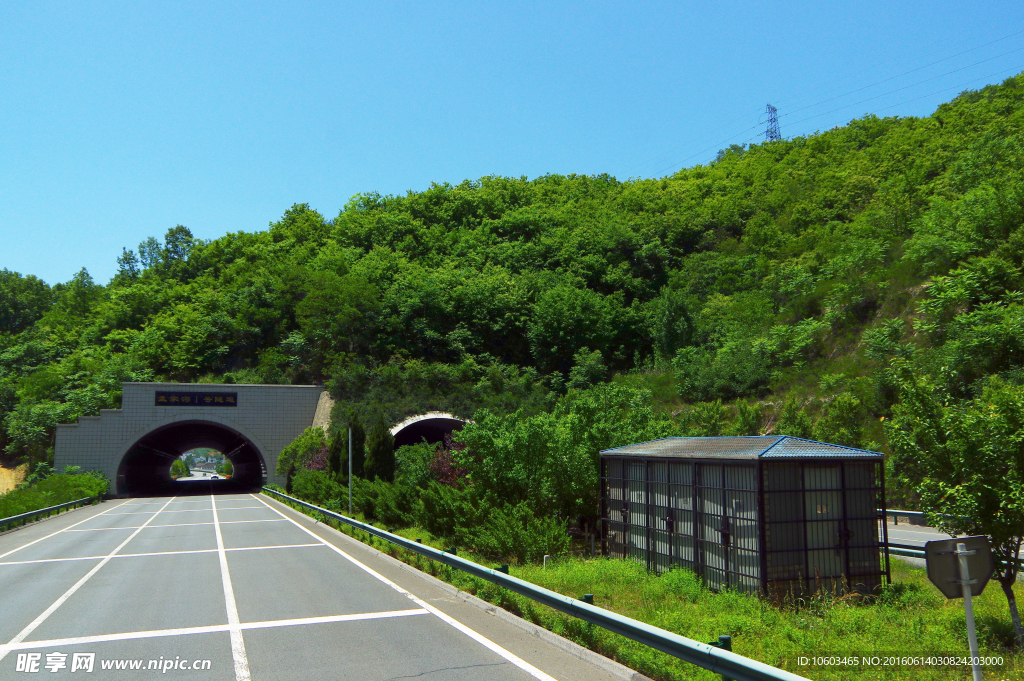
(146, 468)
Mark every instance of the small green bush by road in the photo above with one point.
(54, 490)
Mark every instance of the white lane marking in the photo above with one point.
(66, 529)
(479, 638)
(237, 642)
(67, 594)
(213, 629)
(157, 553)
(189, 510)
(136, 527)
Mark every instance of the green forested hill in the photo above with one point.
(789, 274)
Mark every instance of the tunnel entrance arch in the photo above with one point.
(431, 426)
(145, 467)
(159, 421)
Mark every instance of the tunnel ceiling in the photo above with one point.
(182, 437)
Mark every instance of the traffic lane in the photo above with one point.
(419, 646)
(305, 582)
(236, 501)
(29, 589)
(40, 634)
(276, 531)
(215, 647)
(519, 639)
(234, 515)
(164, 538)
(119, 519)
(140, 593)
(185, 517)
(918, 535)
(72, 544)
(13, 541)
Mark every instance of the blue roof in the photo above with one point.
(753, 447)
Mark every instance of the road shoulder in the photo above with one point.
(560, 657)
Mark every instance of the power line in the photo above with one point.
(661, 159)
(891, 106)
(771, 131)
(847, 106)
(713, 146)
(926, 80)
(905, 73)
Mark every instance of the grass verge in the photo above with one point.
(56, 489)
(909, 618)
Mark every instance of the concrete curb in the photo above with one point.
(603, 663)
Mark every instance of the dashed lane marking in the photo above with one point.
(157, 553)
(137, 527)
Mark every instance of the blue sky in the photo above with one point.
(121, 120)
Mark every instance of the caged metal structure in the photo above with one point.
(776, 515)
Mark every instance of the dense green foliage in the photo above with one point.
(51, 491)
(788, 287)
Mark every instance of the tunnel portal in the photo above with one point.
(432, 426)
(134, 446)
(146, 468)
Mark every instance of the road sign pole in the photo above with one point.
(965, 584)
(350, 470)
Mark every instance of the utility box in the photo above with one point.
(776, 515)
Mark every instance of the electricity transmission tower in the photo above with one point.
(772, 133)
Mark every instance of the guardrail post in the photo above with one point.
(503, 568)
(588, 599)
(725, 643)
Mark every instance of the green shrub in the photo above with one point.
(515, 534)
(444, 509)
(412, 464)
(396, 504)
(301, 451)
(316, 487)
(54, 490)
(393, 504)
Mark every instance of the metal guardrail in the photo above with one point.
(715, 659)
(6, 523)
(906, 550)
(911, 516)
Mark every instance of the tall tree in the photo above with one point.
(380, 453)
(968, 460)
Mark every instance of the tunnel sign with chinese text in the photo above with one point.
(166, 398)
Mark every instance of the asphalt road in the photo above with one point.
(913, 535)
(240, 587)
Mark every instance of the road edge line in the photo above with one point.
(605, 664)
(447, 619)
